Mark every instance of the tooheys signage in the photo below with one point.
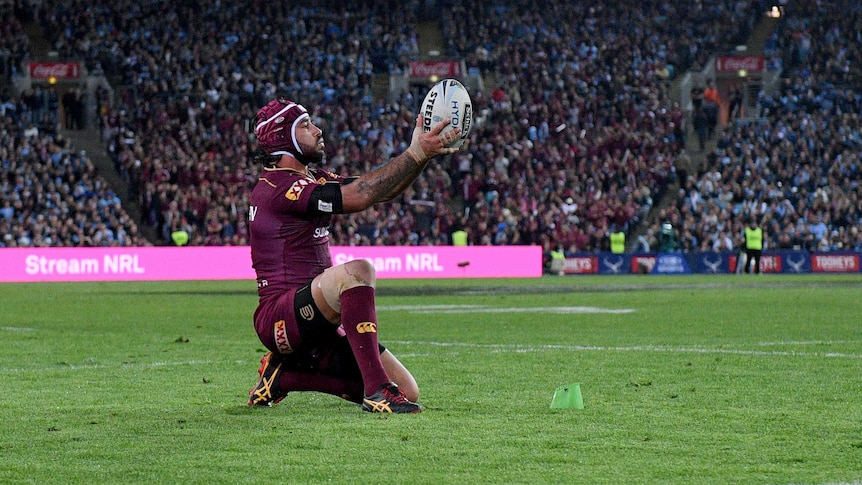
(59, 70)
(751, 64)
(835, 263)
(435, 68)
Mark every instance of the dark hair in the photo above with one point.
(265, 159)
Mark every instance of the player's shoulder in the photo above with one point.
(322, 176)
(273, 183)
(280, 179)
(280, 176)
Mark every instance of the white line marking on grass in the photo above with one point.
(18, 329)
(556, 309)
(808, 342)
(833, 483)
(450, 309)
(493, 348)
(427, 307)
(126, 365)
(517, 348)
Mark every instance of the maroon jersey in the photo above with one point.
(289, 240)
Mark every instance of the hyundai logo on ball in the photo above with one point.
(455, 114)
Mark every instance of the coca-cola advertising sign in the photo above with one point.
(442, 69)
(58, 70)
(750, 64)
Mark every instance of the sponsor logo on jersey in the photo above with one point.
(295, 190)
(281, 342)
(307, 312)
(366, 327)
(324, 206)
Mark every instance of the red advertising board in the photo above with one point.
(642, 264)
(59, 70)
(734, 64)
(835, 263)
(581, 265)
(769, 263)
(441, 69)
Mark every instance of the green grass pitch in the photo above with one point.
(685, 380)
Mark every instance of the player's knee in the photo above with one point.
(361, 271)
(410, 390)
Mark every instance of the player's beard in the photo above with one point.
(310, 154)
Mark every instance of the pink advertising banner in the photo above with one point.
(234, 262)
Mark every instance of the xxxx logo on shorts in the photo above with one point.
(281, 342)
(366, 327)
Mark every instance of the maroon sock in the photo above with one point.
(359, 319)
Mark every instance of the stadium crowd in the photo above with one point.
(578, 140)
(795, 168)
(14, 43)
(179, 132)
(50, 193)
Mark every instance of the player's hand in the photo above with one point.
(427, 145)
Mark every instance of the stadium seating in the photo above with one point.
(51, 193)
(795, 168)
(576, 139)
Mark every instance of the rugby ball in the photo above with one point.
(448, 99)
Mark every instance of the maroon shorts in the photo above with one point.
(292, 327)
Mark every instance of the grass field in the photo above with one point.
(686, 380)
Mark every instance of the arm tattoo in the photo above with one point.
(391, 179)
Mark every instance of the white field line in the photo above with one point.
(855, 482)
(125, 365)
(556, 309)
(807, 342)
(452, 309)
(17, 329)
(426, 307)
(519, 348)
(455, 348)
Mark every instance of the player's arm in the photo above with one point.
(401, 187)
(328, 198)
(391, 179)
